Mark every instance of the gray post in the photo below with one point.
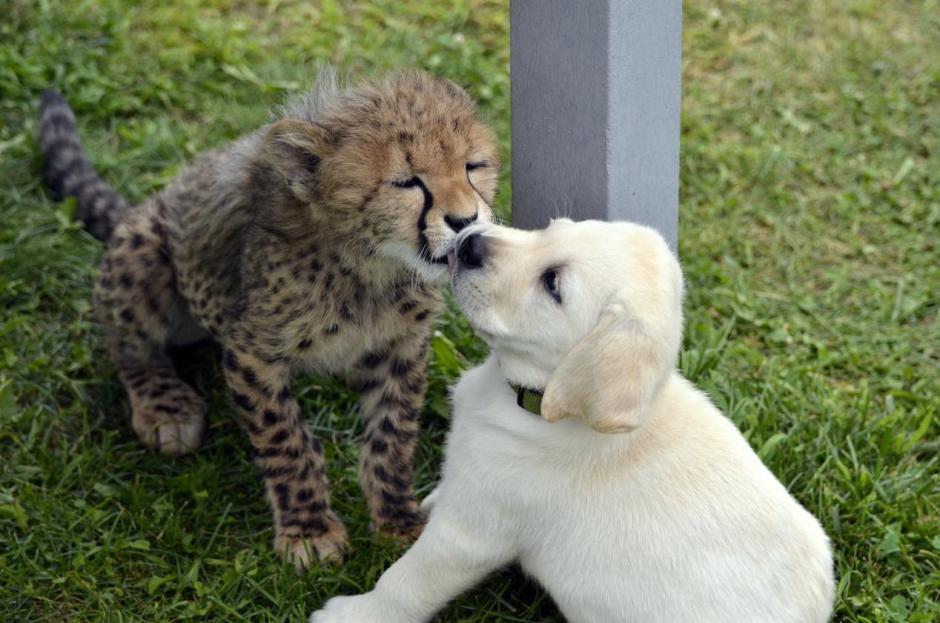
(595, 111)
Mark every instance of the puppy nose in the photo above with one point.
(458, 224)
(472, 251)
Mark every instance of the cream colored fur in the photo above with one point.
(634, 499)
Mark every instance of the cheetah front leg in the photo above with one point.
(290, 457)
(392, 383)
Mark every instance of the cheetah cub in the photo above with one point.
(317, 243)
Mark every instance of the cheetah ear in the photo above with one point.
(294, 149)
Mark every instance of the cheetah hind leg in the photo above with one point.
(168, 415)
(137, 302)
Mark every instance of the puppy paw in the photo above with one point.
(355, 609)
(303, 551)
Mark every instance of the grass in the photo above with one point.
(810, 209)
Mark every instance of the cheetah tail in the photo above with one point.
(67, 171)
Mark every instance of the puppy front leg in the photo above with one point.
(449, 557)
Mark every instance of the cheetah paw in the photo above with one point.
(174, 428)
(405, 529)
(302, 551)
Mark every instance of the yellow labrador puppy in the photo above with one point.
(579, 451)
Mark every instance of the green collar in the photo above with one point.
(528, 399)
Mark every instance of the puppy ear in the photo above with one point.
(294, 149)
(612, 376)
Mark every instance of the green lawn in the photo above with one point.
(810, 238)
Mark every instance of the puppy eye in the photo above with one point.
(551, 285)
(409, 183)
(475, 165)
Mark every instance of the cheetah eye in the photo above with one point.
(475, 165)
(551, 284)
(409, 183)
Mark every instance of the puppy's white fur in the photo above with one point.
(672, 518)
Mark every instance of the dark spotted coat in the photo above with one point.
(315, 243)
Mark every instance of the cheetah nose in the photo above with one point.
(472, 251)
(458, 224)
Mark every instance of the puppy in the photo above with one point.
(620, 487)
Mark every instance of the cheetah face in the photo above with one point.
(434, 170)
(425, 202)
(399, 167)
